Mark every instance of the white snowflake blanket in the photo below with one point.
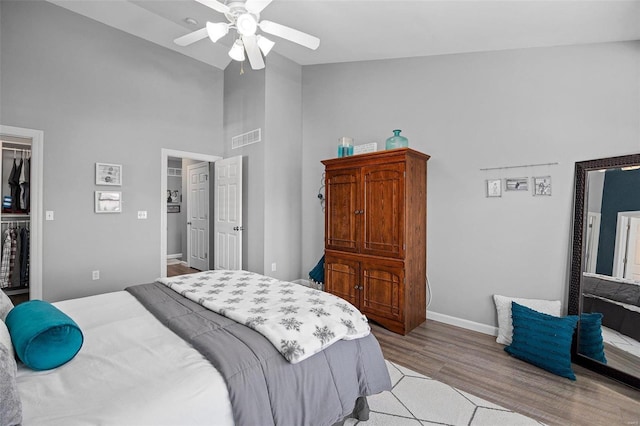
(299, 321)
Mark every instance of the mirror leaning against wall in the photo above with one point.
(605, 268)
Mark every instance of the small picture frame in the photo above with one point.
(494, 187)
(541, 185)
(517, 184)
(108, 174)
(173, 208)
(108, 202)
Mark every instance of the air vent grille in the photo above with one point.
(246, 138)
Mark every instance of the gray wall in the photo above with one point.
(474, 111)
(283, 162)
(101, 95)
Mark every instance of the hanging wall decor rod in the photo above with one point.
(517, 167)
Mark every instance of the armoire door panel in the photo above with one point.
(342, 279)
(342, 194)
(383, 210)
(382, 291)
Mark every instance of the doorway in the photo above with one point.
(165, 155)
(35, 218)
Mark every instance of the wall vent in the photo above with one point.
(246, 138)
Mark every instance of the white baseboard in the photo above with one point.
(174, 256)
(463, 323)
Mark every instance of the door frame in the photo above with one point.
(36, 190)
(165, 153)
(620, 248)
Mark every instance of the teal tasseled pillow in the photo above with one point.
(543, 340)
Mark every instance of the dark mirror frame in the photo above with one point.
(577, 258)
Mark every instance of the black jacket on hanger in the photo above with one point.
(14, 183)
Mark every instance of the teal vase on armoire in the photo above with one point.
(397, 141)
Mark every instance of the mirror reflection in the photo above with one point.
(610, 282)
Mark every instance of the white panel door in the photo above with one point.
(198, 216)
(228, 213)
(632, 264)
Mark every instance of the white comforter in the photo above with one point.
(297, 320)
(131, 370)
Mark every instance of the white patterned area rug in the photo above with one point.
(417, 400)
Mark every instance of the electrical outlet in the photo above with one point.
(95, 275)
(273, 267)
(142, 214)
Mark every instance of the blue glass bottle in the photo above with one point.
(397, 141)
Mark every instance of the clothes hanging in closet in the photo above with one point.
(14, 183)
(24, 184)
(14, 266)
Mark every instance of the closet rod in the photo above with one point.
(14, 221)
(15, 149)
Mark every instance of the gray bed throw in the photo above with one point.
(264, 388)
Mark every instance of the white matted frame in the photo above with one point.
(108, 174)
(541, 185)
(108, 202)
(493, 187)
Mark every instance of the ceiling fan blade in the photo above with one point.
(253, 52)
(187, 39)
(290, 34)
(215, 5)
(256, 6)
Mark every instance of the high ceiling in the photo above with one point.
(374, 29)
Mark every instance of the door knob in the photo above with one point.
(238, 228)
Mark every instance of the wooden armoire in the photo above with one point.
(375, 235)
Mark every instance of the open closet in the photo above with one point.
(15, 218)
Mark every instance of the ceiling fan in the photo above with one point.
(244, 17)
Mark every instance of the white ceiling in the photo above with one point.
(375, 29)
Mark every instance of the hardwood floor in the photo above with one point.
(473, 362)
(179, 269)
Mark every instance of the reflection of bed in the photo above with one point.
(617, 299)
(133, 370)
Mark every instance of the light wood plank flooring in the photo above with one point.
(473, 362)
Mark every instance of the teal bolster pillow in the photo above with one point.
(543, 340)
(43, 336)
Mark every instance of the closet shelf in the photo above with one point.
(10, 291)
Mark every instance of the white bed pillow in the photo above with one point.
(5, 337)
(503, 307)
(5, 305)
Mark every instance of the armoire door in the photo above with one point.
(382, 290)
(342, 278)
(383, 187)
(342, 192)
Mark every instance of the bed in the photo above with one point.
(153, 356)
(617, 299)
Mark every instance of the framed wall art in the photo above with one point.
(542, 185)
(108, 174)
(517, 184)
(108, 202)
(494, 187)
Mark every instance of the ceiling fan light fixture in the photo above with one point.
(217, 31)
(246, 24)
(265, 44)
(237, 51)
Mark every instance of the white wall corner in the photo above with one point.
(463, 323)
